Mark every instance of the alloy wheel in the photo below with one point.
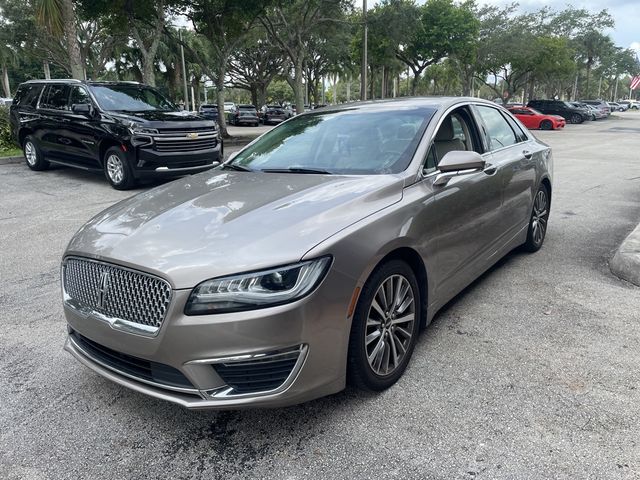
(30, 153)
(540, 217)
(115, 168)
(389, 328)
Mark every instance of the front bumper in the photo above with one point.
(316, 327)
(153, 164)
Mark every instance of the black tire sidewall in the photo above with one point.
(530, 245)
(127, 181)
(41, 163)
(358, 369)
(546, 125)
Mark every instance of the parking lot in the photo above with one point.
(533, 372)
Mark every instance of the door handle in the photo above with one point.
(527, 154)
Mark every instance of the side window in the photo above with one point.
(430, 163)
(458, 131)
(498, 130)
(79, 95)
(55, 97)
(520, 135)
(27, 95)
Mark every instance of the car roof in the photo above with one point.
(407, 102)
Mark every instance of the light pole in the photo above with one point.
(184, 74)
(363, 76)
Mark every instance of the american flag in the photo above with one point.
(635, 82)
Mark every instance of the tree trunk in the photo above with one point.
(297, 84)
(414, 82)
(148, 70)
(261, 96)
(221, 72)
(5, 82)
(71, 39)
(47, 70)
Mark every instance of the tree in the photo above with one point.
(254, 65)
(222, 24)
(59, 18)
(430, 32)
(292, 23)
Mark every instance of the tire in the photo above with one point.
(538, 221)
(117, 169)
(373, 365)
(33, 155)
(576, 118)
(546, 125)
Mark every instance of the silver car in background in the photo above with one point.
(310, 259)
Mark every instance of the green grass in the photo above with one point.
(10, 152)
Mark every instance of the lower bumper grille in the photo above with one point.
(137, 368)
(258, 374)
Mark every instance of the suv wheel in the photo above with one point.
(117, 169)
(576, 118)
(33, 155)
(385, 327)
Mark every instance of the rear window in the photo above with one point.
(27, 95)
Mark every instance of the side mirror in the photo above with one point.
(82, 109)
(461, 160)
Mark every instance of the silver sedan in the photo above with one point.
(309, 260)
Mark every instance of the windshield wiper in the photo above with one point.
(236, 167)
(296, 170)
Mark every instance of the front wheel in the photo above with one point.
(539, 220)
(385, 327)
(575, 118)
(117, 169)
(546, 125)
(33, 155)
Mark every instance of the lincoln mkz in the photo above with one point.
(309, 260)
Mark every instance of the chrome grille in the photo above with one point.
(185, 145)
(117, 292)
(185, 140)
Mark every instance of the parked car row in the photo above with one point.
(554, 114)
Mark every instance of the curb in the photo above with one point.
(8, 160)
(626, 262)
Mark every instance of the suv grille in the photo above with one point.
(117, 292)
(185, 140)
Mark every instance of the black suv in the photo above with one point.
(557, 107)
(127, 130)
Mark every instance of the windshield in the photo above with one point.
(345, 142)
(537, 112)
(131, 98)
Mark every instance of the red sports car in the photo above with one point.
(534, 119)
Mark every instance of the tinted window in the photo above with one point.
(498, 129)
(347, 142)
(27, 95)
(79, 95)
(55, 97)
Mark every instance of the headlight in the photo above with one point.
(137, 129)
(250, 291)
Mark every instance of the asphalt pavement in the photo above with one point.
(533, 372)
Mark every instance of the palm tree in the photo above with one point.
(59, 18)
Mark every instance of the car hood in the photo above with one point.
(156, 118)
(223, 222)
